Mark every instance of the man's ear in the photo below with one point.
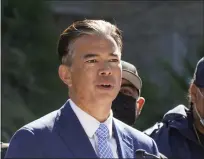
(140, 104)
(193, 92)
(65, 74)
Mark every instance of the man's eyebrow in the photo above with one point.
(90, 55)
(113, 54)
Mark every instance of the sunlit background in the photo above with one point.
(164, 40)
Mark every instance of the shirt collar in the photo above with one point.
(89, 123)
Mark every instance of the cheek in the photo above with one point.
(202, 105)
(118, 73)
(84, 76)
(118, 77)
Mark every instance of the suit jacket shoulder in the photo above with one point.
(27, 141)
(54, 135)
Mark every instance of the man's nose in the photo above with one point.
(105, 69)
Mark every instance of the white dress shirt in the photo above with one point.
(90, 125)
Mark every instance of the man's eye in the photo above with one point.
(114, 60)
(91, 61)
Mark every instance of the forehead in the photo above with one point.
(95, 44)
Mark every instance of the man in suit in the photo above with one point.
(84, 127)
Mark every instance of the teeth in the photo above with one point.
(106, 85)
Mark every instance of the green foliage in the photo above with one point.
(152, 110)
(156, 104)
(29, 63)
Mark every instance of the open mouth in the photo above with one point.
(105, 86)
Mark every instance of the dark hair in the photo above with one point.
(85, 27)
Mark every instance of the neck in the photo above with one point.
(99, 111)
(99, 114)
(197, 123)
(199, 127)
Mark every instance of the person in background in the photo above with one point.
(180, 134)
(128, 104)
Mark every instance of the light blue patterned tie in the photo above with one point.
(104, 150)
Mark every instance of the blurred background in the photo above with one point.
(163, 39)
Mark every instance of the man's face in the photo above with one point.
(129, 89)
(128, 105)
(96, 70)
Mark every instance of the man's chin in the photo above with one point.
(105, 97)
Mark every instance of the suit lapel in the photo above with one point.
(124, 142)
(73, 134)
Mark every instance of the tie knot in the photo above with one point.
(102, 131)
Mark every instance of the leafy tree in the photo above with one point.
(178, 85)
(30, 84)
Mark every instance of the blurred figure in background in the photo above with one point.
(4, 147)
(180, 135)
(127, 106)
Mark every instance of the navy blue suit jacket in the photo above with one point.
(59, 134)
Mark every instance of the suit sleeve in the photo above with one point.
(24, 145)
